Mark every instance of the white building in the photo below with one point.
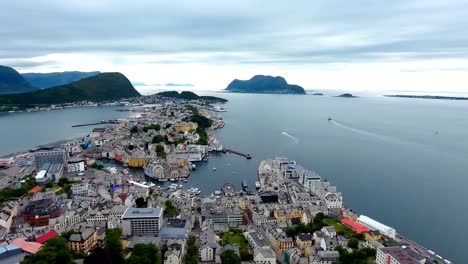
(375, 225)
(310, 180)
(333, 200)
(394, 255)
(142, 221)
(264, 255)
(76, 165)
(83, 190)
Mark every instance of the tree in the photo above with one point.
(134, 130)
(141, 203)
(147, 253)
(170, 209)
(353, 243)
(157, 139)
(113, 245)
(98, 256)
(319, 218)
(192, 251)
(230, 257)
(55, 251)
(135, 259)
(67, 235)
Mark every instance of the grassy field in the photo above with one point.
(340, 227)
(236, 237)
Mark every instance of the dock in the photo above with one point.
(98, 123)
(246, 155)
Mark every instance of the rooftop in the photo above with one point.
(46, 237)
(142, 213)
(373, 223)
(399, 254)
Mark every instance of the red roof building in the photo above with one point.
(46, 237)
(358, 228)
(36, 189)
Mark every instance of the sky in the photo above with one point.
(348, 45)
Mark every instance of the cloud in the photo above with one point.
(179, 84)
(235, 35)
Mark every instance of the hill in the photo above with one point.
(52, 79)
(98, 88)
(264, 84)
(347, 95)
(191, 96)
(12, 82)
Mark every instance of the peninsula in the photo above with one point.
(187, 95)
(347, 95)
(52, 79)
(264, 84)
(98, 88)
(429, 97)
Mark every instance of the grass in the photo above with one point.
(236, 237)
(340, 227)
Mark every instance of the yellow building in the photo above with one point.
(373, 234)
(304, 240)
(137, 162)
(288, 214)
(83, 242)
(185, 127)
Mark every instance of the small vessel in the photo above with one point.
(125, 171)
(229, 164)
(179, 186)
(152, 185)
(248, 156)
(329, 119)
(244, 186)
(193, 166)
(172, 180)
(214, 169)
(217, 193)
(257, 185)
(185, 180)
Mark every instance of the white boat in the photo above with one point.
(172, 180)
(257, 185)
(125, 171)
(179, 186)
(152, 185)
(214, 169)
(111, 170)
(217, 192)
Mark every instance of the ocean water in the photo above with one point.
(403, 162)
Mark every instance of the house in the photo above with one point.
(329, 231)
(326, 257)
(394, 255)
(83, 242)
(28, 247)
(174, 254)
(304, 240)
(234, 248)
(46, 236)
(264, 255)
(209, 250)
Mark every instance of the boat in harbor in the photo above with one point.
(245, 187)
(214, 169)
(257, 185)
(172, 180)
(125, 171)
(329, 119)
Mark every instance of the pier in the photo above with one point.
(98, 123)
(246, 155)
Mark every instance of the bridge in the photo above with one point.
(246, 155)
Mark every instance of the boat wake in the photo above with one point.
(367, 133)
(296, 140)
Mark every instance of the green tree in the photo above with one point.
(230, 257)
(192, 251)
(67, 235)
(147, 253)
(353, 243)
(157, 139)
(141, 203)
(170, 209)
(134, 130)
(113, 245)
(55, 251)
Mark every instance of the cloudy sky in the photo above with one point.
(358, 45)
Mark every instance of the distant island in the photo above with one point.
(102, 87)
(13, 82)
(52, 79)
(264, 84)
(317, 94)
(347, 95)
(429, 97)
(187, 95)
(179, 84)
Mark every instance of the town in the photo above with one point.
(80, 196)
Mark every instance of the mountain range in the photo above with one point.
(101, 87)
(47, 80)
(12, 82)
(264, 84)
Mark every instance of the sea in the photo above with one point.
(400, 161)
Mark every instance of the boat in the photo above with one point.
(172, 180)
(193, 166)
(244, 186)
(125, 171)
(214, 169)
(152, 185)
(162, 179)
(185, 180)
(257, 185)
(217, 193)
(248, 156)
(179, 186)
(229, 164)
(329, 119)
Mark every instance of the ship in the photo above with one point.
(257, 185)
(329, 119)
(244, 186)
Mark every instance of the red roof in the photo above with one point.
(30, 247)
(358, 228)
(36, 189)
(46, 237)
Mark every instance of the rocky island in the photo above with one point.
(264, 84)
(347, 95)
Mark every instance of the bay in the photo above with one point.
(400, 161)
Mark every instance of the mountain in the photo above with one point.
(12, 82)
(101, 87)
(264, 84)
(191, 96)
(52, 79)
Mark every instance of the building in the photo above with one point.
(28, 247)
(38, 212)
(55, 172)
(50, 157)
(329, 231)
(288, 214)
(185, 127)
(42, 239)
(333, 200)
(83, 242)
(83, 190)
(76, 165)
(309, 180)
(394, 255)
(304, 240)
(327, 257)
(174, 254)
(11, 254)
(358, 228)
(209, 250)
(375, 225)
(97, 132)
(264, 255)
(142, 221)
